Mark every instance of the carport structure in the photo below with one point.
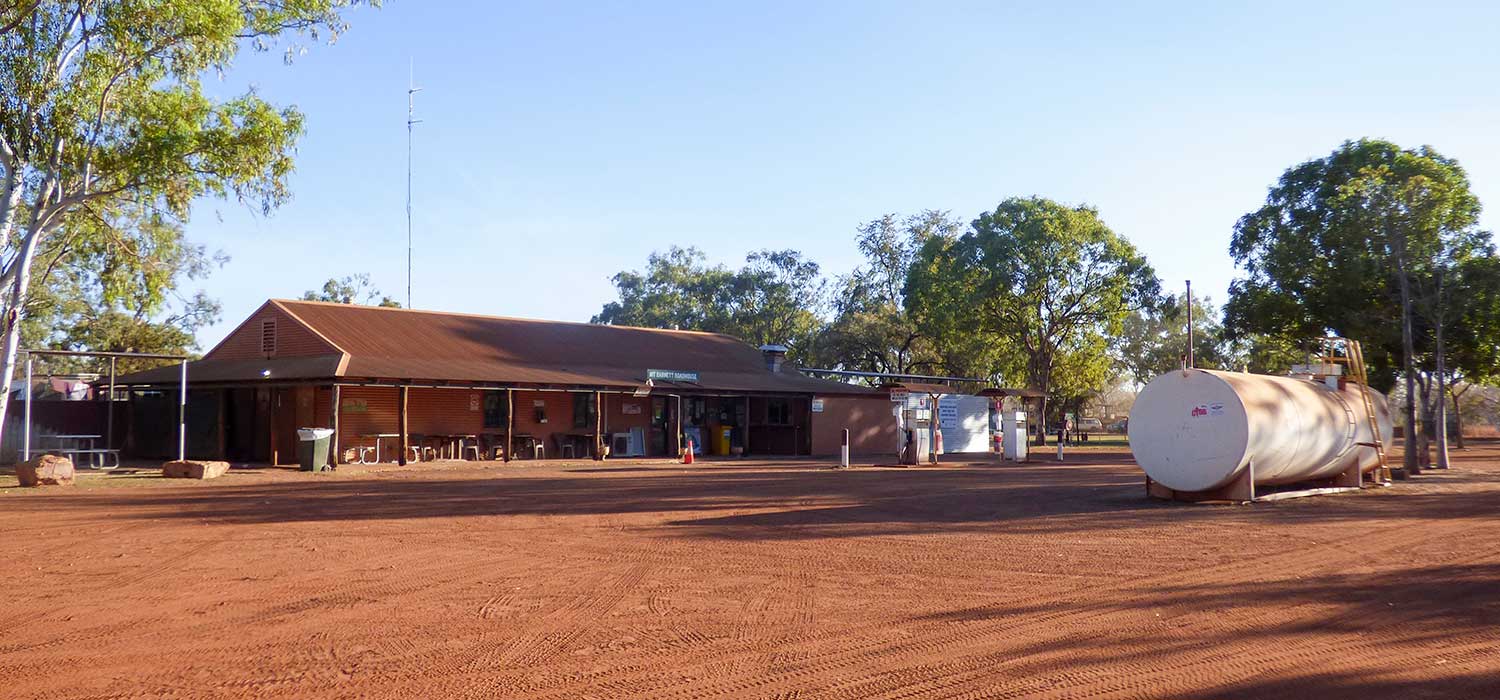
(112, 386)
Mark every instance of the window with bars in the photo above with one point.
(268, 337)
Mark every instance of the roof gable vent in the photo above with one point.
(268, 337)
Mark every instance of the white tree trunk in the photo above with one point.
(15, 299)
(1440, 402)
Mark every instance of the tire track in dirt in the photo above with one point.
(938, 637)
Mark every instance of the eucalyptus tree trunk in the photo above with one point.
(1439, 425)
(1409, 462)
(1458, 418)
(15, 298)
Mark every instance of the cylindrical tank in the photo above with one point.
(1197, 429)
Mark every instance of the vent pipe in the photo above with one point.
(775, 355)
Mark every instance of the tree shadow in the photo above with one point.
(1435, 611)
(1096, 494)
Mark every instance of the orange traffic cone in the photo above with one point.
(687, 457)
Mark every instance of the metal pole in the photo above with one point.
(679, 425)
(844, 451)
(182, 415)
(932, 431)
(109, 416)
(411, 108)
(26, 431)
(1190, 323)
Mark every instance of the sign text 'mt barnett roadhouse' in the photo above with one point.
(671, 375)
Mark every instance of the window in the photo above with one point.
(268, 337)
(496, 410)
(778, 412)
(583, 411)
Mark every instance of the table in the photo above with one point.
(455, 442)
(378, 437)
(80, 438)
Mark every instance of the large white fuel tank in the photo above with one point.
(1197, 429)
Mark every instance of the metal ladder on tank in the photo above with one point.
(1349, 353)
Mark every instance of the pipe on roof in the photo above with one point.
(891, 375)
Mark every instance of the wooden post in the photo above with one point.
(401, 428)
(598, 425)
(275, 399)
(333, 457)
(510, 421)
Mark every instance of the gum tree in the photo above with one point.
(102, 110)
(1345, 243)
(1048, 279)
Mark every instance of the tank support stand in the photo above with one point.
(1243, 490)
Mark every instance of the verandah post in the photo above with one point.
(401, 429)
(598, 425)
(510, 421)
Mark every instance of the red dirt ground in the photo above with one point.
(747, 579)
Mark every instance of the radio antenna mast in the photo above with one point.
(411, 120)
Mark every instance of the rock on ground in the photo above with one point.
(46, 470)
(193, 469)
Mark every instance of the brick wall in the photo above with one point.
(872, 428)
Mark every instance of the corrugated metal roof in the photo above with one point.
(391, 344)
(309, 367)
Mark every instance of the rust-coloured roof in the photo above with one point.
(281, 368)
(402, 344)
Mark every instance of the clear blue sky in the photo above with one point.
(562, 143)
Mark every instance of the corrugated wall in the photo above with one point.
(292, 338)
(366, 411)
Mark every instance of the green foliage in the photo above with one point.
(871, 330)
(1152, 341)
(104, 126)
(1041, 285)
(1329, 250)
(115, 290)
(775, 298)
(1473, 342)
(353, 289)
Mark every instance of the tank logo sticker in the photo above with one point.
(1200, 410)
(1216, 409)
(1204, 410)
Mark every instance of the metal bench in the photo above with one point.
(97, 457)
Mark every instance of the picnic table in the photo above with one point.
(377, 437)
(76, 444)
(452, 444)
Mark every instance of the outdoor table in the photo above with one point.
(80, 438)
(378, 437)
(454, 442)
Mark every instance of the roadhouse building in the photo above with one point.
(467, 386)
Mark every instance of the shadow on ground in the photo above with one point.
(771, 502)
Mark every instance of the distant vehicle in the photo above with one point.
(1119, 426)
(1090, 425)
